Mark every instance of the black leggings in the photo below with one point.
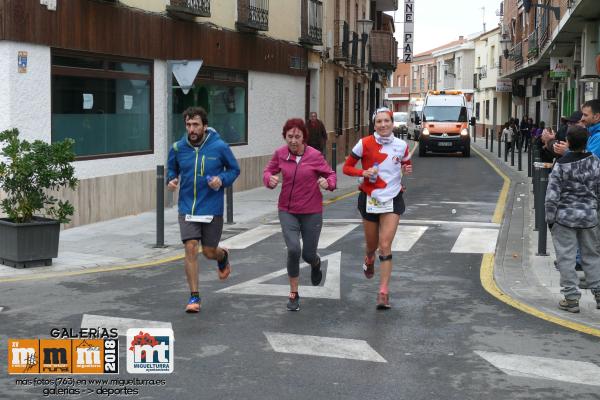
(294, 225)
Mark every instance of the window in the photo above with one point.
(102, 103)
(477, 109)
(487, 109)
(223, 94)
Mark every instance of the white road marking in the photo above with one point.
(418, 222)
(329, 290)
(250, 237)
(580, 372)
(407, 236)
(333, 233)
(122, 324)
(476, 240)
(350, 349)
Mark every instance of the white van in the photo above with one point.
(415, 112)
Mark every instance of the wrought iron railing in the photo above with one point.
(312, 22)
(532, 45)
(253, 15)
(516, 54)
(341, 40)
(194, 8)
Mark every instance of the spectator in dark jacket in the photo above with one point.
(572, 214)
(317, 134)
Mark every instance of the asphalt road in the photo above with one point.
(441, 315)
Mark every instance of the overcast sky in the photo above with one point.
(440, 21)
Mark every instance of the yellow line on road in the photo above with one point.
(487, 269)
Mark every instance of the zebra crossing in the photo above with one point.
(474, 237)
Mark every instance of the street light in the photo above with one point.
(505, 43)
(364, 27)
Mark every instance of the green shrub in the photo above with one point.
(29, 171)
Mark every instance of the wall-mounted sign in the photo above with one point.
(504, 85)
(22, 62)
(560, 67)
(409, 30)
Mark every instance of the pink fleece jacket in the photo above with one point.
(300, 191)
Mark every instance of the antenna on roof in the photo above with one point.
(483, 15)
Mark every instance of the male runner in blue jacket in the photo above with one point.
(202, 165)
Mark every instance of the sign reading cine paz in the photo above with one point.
(409, 30)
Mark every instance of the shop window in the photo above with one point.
(223, 94)
(103, 104)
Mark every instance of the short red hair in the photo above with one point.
(295, 123)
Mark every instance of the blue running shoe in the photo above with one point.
(193, 306)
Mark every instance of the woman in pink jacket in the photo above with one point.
(305, 172)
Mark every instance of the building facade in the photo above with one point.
(101, 72)
(551, 53)
(491, 106)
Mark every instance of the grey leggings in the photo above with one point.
(294, 225)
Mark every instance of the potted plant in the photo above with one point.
(29, 173)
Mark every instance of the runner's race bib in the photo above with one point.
(376, 207)
(199, 218)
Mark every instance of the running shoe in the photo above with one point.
(193, 306)
(224, 267)
(316, 274)
(369, 267)
(293, 302)
(383, 301)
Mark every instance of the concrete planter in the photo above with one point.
(29, 244)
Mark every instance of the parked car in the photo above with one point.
(400, 123)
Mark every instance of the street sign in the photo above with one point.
(409, 30)
(504, 85)
(22, 62)
(185, 72)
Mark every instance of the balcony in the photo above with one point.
(516, 55)
(341, 39)
(253, 15)
(532, 46)
(189, 9)
(384, 50)
(387, 5)
(311, 32)
(398, 90)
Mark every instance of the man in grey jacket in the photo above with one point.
(572, 202)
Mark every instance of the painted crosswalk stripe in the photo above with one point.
(250, 237)
(580, 372)
(407, 236)
(350, 349)
(476, 240)
(329, 290)
(122, 324)
(331, 234)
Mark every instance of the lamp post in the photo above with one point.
(505, 44)
(364, 27)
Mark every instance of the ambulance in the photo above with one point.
(445, 123)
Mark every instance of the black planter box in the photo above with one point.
(28, 244)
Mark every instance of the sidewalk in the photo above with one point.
(131, 240)
(519, 272)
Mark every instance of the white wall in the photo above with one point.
(272, 99)
(25, 97)
(25, 103)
